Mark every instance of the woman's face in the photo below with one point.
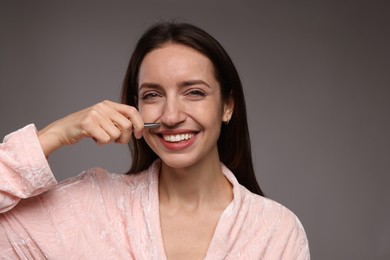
(178, 89)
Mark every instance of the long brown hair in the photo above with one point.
(234, 142)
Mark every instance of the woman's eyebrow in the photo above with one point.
(185, 83)
(188, 83)
(149, 85)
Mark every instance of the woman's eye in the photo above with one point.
(150, 96)
(196, 93)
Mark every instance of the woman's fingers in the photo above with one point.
(113, 122)
(105, 122)
(131, 119)
(103, 130)
(120, 117)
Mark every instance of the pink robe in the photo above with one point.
(101, 215)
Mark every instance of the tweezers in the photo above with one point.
(151, 125)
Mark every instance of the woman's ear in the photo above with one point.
(228, 108)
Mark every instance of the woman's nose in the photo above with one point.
(172, 113)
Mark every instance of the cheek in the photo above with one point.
(208, 114)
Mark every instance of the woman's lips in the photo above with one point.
(177, 140)
(178, 137)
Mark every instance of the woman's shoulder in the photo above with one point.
(273, 229)
(102, 179)
(269, 220)
(91, 188)
(271, 211)
(106, 184)
(263, 203)
(280, 222)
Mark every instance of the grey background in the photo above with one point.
(316, 77)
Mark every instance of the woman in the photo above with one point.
(191, 192)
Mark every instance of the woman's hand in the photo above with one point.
(105, 122)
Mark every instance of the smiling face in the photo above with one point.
(178, 89)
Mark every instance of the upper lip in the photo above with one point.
(176, 132)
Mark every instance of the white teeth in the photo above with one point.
(177, 138)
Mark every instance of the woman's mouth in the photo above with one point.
(178, 137)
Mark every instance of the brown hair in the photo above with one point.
(234, 142)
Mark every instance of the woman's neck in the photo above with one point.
(198, 186)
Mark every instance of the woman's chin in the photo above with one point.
(177, 161)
